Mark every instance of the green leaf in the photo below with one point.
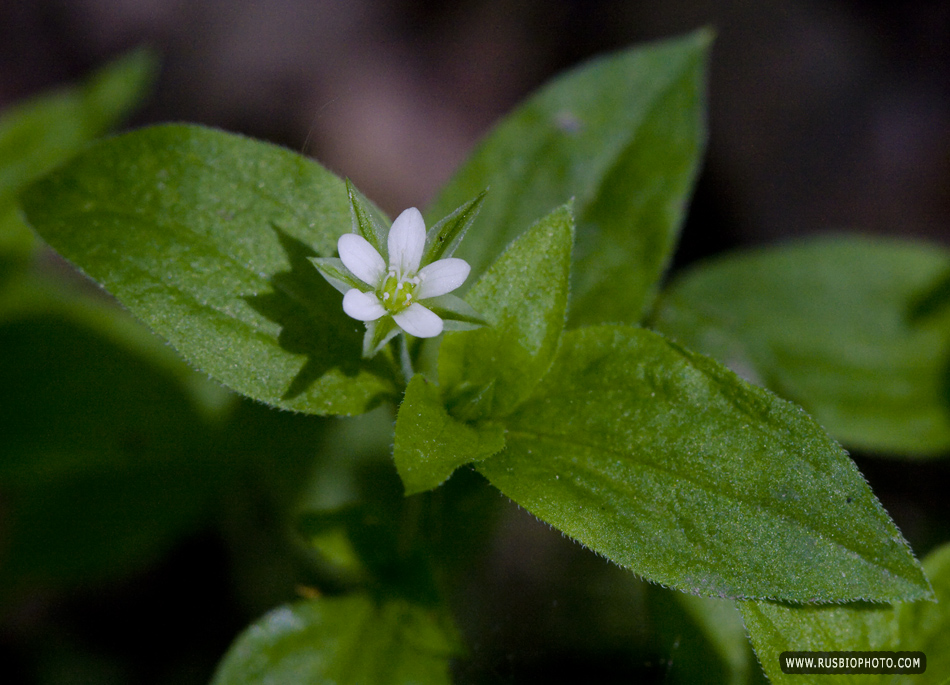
(919, 627)
(523, 296)
(827, 323)
(702, 639)
(622, 135)
(17, 242)
(720, 623)
(346, 640)
(668, 464)
(430, 444)
(207, 237)
(39, 134)
(106, 438)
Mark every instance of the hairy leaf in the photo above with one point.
(670, 465)
(430, 444)
(909, 627)
(207, 237)
(523, 296)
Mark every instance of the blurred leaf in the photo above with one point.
(668, 464)
(104, 452)
(430, 444)
(721, 624)
(41, 133)
(523, 296)
(919, 627)
(81, 385)
(705, 640)
(826, 323)
(17, 242)
(38, 134)
(344, 640)
(354, 512)
(207, 237)
(622, 135)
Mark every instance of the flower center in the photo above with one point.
(397, 290)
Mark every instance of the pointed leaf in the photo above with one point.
(827, 323)
(207, 236)
(430, 444)
(623, 135)
(670, 465)
(523, 296)
(909, 627)
(349, 640)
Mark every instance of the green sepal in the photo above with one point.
(337, 275)
(378, 333)
(456, 313)
(444, 237)
(368, 220)
(430, 444)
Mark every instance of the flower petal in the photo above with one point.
(441, 277)
(407, 239)
(362, 306)
(418, 321)
(361, 259)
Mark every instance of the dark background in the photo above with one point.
(823, 116)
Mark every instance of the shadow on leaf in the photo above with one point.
(310, 313)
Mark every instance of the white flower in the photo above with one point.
(399, 289)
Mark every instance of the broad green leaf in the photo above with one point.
(207, 237)
(39, 134)
(668, 464)
(827, 323)
(430, 444)
(909, 627)
(523, 296)
(349, 640)
(623, 135)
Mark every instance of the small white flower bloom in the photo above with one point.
(397, 290)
